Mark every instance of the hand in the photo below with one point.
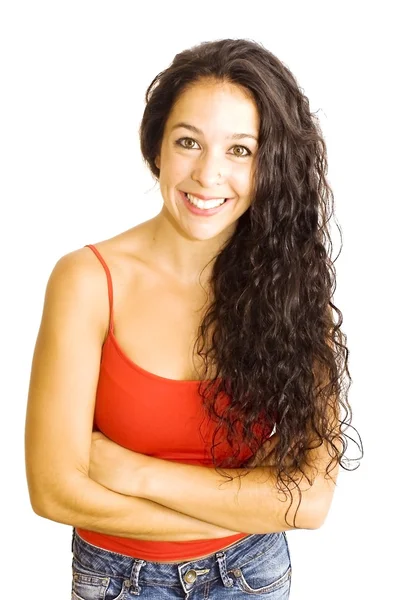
(114, 466)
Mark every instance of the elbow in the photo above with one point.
(316, 514)
(46, 506)
(34, 498)
(43, 502)
(49, 499)
(314, 519)
(318, 501)
(40, 510)
(37, 493)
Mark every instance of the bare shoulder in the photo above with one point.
(76, 282)
(79, 277)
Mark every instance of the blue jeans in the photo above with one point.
(258, 565)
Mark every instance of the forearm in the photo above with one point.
(91, 506)
(255, 505)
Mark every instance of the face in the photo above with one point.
(208, 154)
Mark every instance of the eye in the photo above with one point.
(183, 142)
(189, 143)
(241, 153)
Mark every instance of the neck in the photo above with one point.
(188, 260)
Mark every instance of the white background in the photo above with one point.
(73, 78)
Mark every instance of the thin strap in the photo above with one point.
(109, 283)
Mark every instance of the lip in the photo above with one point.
(201, 197)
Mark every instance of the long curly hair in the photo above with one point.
(279, 352)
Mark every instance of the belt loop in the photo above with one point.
(221, 560)
(72, 540)
(134, 579)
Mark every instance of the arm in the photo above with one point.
(254, 505)
(93, 507)
(59, 417)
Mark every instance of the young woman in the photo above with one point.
(187, 401)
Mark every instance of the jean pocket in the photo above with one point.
(91, 585)
(247, 582)
(267, 572)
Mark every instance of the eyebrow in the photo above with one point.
(235, 136)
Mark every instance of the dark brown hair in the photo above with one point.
(279, 351)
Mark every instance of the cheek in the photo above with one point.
(174, 169)
(243, 182)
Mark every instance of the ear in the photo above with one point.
(157, 161)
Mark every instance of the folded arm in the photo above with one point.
(81, 502)
(252, 504)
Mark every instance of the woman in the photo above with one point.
(194, 409)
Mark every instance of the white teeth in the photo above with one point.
(205, 203)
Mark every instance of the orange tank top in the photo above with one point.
(156, 416)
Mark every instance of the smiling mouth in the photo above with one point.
(200, 203)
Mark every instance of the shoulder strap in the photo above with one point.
(109, 282)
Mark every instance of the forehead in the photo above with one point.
(218, 106)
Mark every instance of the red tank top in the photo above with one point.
(156, 416)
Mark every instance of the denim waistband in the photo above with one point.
(224, 564)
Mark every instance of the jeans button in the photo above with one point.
(190, 576)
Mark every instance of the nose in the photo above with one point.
(210, 171)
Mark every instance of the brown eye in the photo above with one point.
(187, 143)
(241, 151)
